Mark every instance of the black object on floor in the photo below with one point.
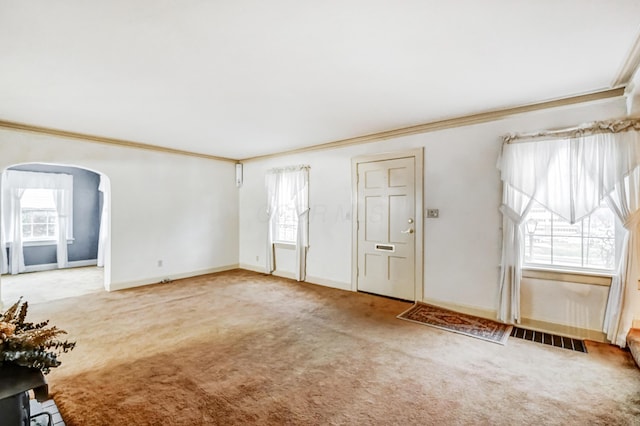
(549, 339)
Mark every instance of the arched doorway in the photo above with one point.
(33, 219)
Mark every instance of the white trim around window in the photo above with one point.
(568, 276)
(35, 243)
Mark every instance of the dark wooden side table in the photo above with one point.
(15, 382)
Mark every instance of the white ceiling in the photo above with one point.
(241, 78)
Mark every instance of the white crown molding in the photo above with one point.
(105, 140)
(630, 65)
(460, 121)
(632, 93)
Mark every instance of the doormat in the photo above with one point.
(550, 339)
(469, 325)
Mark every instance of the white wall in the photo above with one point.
(569, 304)
(462, 247)
(178, 209)
(187, 211)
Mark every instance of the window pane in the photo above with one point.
(563, 228)
(287, 223)
(44, 223)
(601, 223)
(39, 216)
(567, 251)
(600, 253)
(551, 240)
(541, 253)
(39, 230)
(287, 233)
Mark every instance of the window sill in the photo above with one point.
(35, 243)
(284, 245)
(578, 277)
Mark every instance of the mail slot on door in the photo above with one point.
(385, 247)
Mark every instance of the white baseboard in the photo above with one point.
(81, 263)
(171, 277)
(52, 266)
(284, 274)
(290, 275)
(329, 283)
(263, 270)
(254, 268)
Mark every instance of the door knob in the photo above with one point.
(408, 231)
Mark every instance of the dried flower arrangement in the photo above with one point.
(28, 344)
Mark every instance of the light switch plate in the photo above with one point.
(433, 213)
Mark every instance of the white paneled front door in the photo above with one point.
(386, 225)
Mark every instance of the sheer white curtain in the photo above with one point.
(571, 176)
(284, 186)
(5, 214)
(514, 208)
(272, 184)
(63, 201)
(16, 254)
(11, 226)
(105, 188)
(623, 301)
(300, 181)
(14, 184)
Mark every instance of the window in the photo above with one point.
(38, 215)
(587, 244)
(286, 216)
(288, 212)
(286, 222)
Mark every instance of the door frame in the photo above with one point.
(418, 155)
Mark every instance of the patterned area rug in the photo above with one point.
(468, 325)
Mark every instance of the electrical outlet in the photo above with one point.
(160, 263)
(257, 258)
(433, 213)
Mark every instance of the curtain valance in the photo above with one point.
(570, 176)
(16, 179)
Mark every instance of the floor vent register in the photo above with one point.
(549, 339)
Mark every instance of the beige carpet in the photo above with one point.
(243, 348)
(38, 287)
